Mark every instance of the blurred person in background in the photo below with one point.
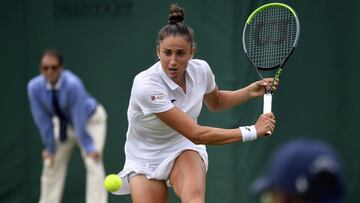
(66, 116)
(302, 171)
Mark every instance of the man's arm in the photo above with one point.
(42, 118)
(79, 116)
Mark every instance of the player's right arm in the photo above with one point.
(185, 125)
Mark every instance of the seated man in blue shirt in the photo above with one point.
(66, 115)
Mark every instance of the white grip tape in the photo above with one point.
(267, 106)
(267, 103)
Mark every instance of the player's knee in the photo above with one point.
(193, 195)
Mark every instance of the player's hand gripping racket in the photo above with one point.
(270, 36)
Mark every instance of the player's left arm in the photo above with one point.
(218, 100)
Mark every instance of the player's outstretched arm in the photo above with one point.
(185, 125)
(219, 100)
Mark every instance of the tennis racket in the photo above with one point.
(270, 36)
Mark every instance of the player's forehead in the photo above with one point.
(175, 42)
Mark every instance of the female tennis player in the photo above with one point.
(165, 146)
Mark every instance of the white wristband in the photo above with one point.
(248, 133)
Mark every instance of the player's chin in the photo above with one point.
(173, 74)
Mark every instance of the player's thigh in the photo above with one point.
(144, 190)
(188, 175)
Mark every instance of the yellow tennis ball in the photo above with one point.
(112, 183)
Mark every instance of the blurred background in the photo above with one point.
(107, 42)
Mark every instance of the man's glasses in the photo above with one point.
(52, 67)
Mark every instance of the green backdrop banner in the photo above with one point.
(108, 42)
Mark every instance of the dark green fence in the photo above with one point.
(108, 42)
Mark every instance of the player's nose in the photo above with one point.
(173, 60)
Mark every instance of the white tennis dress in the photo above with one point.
(151, 146)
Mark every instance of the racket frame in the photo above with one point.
(267, 99)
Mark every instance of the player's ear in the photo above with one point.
(158, 51)
(193, 50)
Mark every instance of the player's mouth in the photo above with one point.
(173, 71)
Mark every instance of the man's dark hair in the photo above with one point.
(53, 52)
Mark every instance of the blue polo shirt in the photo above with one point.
(74, 101)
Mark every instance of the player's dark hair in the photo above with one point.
(53, 52)
(176, 26)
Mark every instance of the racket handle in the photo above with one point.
(267, 103)
(267, 106)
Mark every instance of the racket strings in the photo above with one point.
(270, 36)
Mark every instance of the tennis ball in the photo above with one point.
(112, 183)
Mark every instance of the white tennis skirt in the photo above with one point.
(159, 171)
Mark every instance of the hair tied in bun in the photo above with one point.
(176, 14)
